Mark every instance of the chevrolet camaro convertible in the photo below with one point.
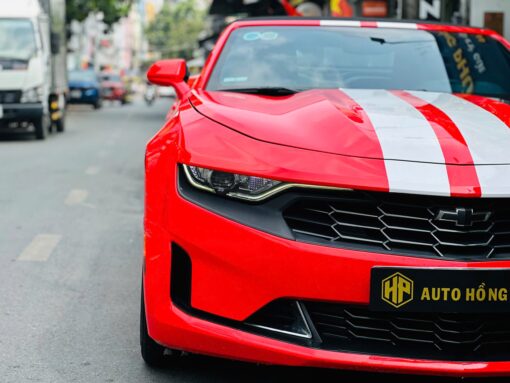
(334, 193)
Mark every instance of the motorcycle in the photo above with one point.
(150, 94)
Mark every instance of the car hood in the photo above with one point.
(391, 125)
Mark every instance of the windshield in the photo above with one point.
(302, 58)
(82, 76)
(17, 39)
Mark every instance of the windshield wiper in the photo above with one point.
(266, 91)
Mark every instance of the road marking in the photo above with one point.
(76, 197)
(41, 247)
(92, 170)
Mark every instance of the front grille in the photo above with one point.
(452, 337)
(450, 228)
(10, 96)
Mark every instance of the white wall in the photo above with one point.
(479, 7)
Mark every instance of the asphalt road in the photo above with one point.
(70, 254)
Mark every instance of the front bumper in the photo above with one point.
(86, 96)
(237, 270)
(22, 112)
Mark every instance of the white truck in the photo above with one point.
(33, 75)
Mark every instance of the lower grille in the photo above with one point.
(10, 96)
(450, 228)
(452, 337)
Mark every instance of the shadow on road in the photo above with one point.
(17, 136)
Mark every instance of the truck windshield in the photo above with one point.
(302, 58)
(17, 39)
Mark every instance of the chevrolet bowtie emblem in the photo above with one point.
(463, 217)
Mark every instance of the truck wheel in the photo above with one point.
(60, 124)
(152, 353)
(41, 127)
(98, 104)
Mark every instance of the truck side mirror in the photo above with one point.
(55, 43)
(170, 73)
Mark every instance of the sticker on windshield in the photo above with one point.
(252, 36)
(269, 36)
(234, 79)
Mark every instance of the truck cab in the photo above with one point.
(28, 98)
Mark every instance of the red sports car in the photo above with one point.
(334, 193)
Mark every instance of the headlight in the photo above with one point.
(233, 185)
(32, 95)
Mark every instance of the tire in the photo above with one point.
(60, 124)
(42, 127)
(153, 354)
(98, 104)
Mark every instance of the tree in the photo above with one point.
(113, 10)
(175, 29)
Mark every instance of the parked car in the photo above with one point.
(334, 193)
(113, 88)
(84, 88)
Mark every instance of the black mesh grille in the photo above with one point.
(451, 228)
(10, 96)
(455, 337)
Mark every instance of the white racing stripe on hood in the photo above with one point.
(417, 178)
(413, 156)
(487, 137)
(494, 180)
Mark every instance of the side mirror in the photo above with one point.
(55, 43)
(170, 73)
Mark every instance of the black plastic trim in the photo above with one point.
(180, 276)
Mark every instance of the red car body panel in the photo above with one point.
(231, 277)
